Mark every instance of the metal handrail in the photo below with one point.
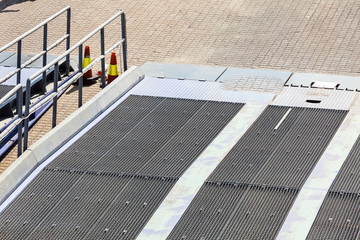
(34, 28)
(19, 88)
(79, 75)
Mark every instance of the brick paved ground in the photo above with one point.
(298, 35)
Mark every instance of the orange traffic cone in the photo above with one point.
(86, 62)
(113, 69)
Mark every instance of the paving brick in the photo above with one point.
(308, 35)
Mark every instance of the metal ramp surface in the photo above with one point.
(137, 160)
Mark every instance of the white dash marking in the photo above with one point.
(283, 118)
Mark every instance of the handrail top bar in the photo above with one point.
(32, 77)
(34, 29)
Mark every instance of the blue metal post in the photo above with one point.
(124, 44)
(27, 110)
(19, 96)
(56, 79)
(19, 92)
(44, 58)
(80, 71)
(68, 41)
(102, 46)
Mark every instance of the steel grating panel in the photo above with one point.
(301, 149)
(348, 178)
(338, 217)
(82, 154)
(131, 209)
(107, 199)
(248, 156)
(150, 135)
(260, 214)
(19, 219)
(179, 153)
(208, 212)
(281, 138)
(78, 210)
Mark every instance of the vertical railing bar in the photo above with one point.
(56, 79)
(102, 46)
(19, 111)
(80, 81)
(18, 80)
(44, 58)
(27, 110)
(18, 62)
(124, 44)
(68, 41)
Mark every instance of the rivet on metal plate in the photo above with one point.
(106, 230)
(125, 231)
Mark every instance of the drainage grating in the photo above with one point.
(338, 217)
(266, 160)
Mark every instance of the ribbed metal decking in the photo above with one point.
(250, 193)
(110, 181)
(338, 217)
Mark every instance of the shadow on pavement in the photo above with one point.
(7, 3)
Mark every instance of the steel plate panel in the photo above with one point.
(182, 71)
(245, 79)
(306, 79)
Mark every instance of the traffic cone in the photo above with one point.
(86, 62)
(113, 69)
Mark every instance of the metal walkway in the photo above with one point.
(139, 150)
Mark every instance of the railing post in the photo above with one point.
(68, 41)
(80, 71)
(102, 46)
(56, 79)
(19, 111)
(27, 110)
(18, 61)
(44, 58)
(124, 44)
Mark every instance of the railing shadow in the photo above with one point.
(7, 3)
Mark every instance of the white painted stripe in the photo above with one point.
(307, 204)
(180, 197)
(283, 118)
